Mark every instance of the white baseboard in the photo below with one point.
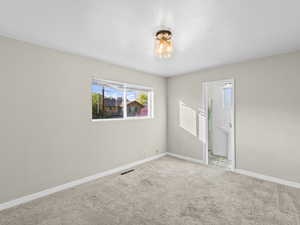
(267, 178)
(186, 158)
(244, 172)
(62, 187)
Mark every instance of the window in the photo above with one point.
(108, 100)
(227, 101)
(137, 102)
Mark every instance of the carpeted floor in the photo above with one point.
(166, 191)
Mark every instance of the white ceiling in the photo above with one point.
(207, 32)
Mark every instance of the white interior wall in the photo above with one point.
(267, 113)
(47, 136)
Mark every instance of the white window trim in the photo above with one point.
(125, 117)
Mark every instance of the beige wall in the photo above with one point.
(267, 113)
(47, 137)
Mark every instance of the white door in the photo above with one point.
(229, 115)
(203, 122)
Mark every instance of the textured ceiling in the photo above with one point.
(207, 32)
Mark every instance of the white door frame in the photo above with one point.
(204, 114)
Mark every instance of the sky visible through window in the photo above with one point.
(114, 93)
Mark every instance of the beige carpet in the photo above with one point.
(161, 192)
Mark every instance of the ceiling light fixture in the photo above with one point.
(163, 43)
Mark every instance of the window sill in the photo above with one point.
(120, 119)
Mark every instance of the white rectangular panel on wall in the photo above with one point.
(188, 118)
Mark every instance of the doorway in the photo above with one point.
(218, 123)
